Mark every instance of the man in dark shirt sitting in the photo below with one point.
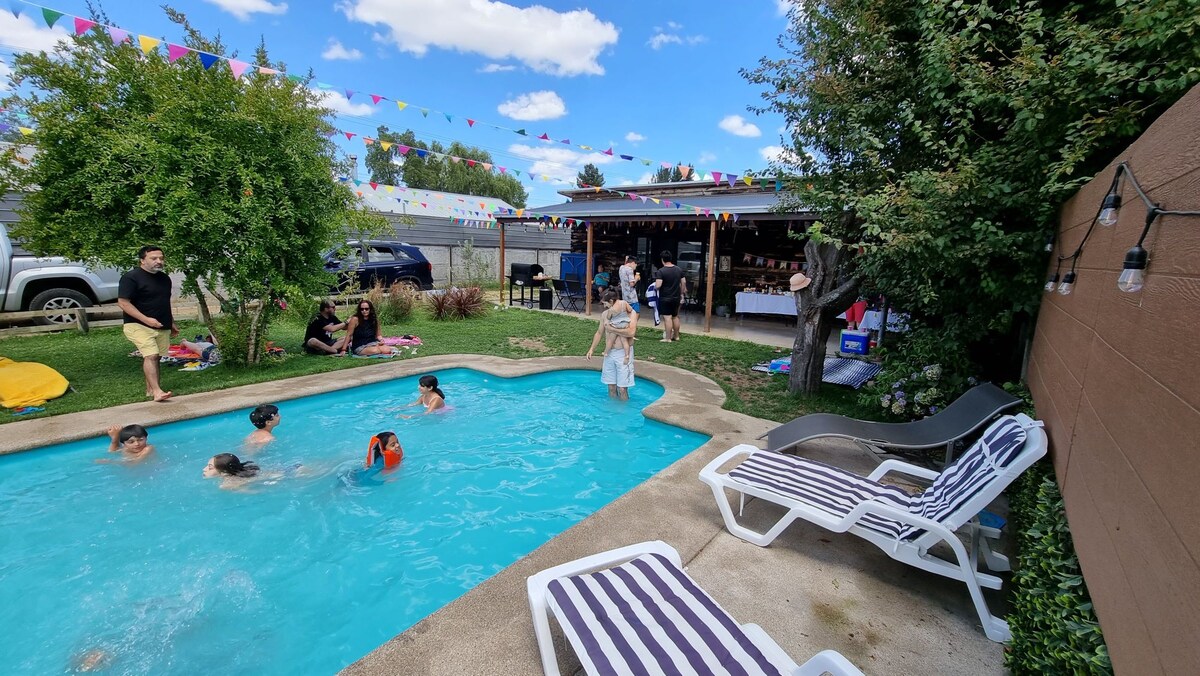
(144, 295)
(671, 286)
(318, 338)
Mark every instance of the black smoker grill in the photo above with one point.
(521, 275)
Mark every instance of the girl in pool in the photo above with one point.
(130, 441)
(229, 467)
(430, 395)
(384, 450)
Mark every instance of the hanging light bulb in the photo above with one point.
(1108, 211)
(1050, 243)
(1068, 284)
(1051, 283)
(1133, 277)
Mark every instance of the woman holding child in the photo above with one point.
(618, 324)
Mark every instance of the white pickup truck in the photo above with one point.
(31, 283)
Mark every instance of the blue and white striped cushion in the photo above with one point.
(646, 616)
(824, 486)
(964, 478)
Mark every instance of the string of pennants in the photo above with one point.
(240, 68)
(771, 263)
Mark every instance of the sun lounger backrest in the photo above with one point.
(978, 470)
(647, 616)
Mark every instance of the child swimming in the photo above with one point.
(231, 468)
(266, 419)
(130, 441)
(384, 449)
(430, 395)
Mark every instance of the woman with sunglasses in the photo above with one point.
(364, 333)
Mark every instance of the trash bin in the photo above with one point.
(545, 299)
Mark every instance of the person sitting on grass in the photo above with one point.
(206, 349)
(266, 419)
(318, 337)
(430, 395)
(130, 441)
(364, 334)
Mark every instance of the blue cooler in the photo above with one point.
(855, 342)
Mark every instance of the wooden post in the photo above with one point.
(502, 263)
(587, 303)
(712, 273)
(82, 319)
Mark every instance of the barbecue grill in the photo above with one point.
(521, 275)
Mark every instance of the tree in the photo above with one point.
(232, 178)
(672, 174)
(937, 140)
(436, 172)
(590, 176)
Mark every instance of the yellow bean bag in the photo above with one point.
(27, 383)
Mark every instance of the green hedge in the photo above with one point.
(1053, 624)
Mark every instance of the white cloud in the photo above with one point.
(560, 163)
(672, 36)
(738, 126)
(5, 71)
(660, 39)
(782, 7)
(634, 137)
(645, 178)
(559, 43)
(497, 68)
(23, 34)
(336, 51)
(544, 105)
(706, 157)
(243, 9)
(674, 26)
(340, 104)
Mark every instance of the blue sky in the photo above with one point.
(657, 80)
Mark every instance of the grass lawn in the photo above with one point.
(102, 374)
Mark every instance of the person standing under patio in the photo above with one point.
(671, 286)
(144, 296)
(629, 280)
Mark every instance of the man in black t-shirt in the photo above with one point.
(671, 286)
(144, 296)
(318, 337)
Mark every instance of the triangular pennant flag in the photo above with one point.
(449, 117)
(367, 140)
(359, 192)
(521, 132)
(516, 173)
(324, 85)
(646, 162)
(51, 16)
(374, 185)
(401, 105)
(626, 157)
(175, 52)
(632, 197)
(735, 217)
(717, 177)
(470, 163)
(349, 135)
(554, 219)
(655, 200)
(749, 180)
(545, 178)
(118, 35)
(731, 178)
(567, 141)
(668, 203)
(608, 152)
(544, 137)
(585, 147)
(666, 165)
(643, 198)
(520, 213)
(425, 112)
(147, 43)
(25, 131)
(403, 149)
(708, 212)
(421, 152)
(389, 188)
(424, 204)
(295, 78)
(778, 185)
(238, 68)
(357, 183)
(207, 60)
(376, 98)
(502, 169)
(4, 127)
(16, 8)
(684, 171)
(386, 145)
(83, 25)
(267, 71)
(487, 166)
(470, 122)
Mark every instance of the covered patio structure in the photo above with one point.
(725, 237)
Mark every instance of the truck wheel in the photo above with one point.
(58, 299)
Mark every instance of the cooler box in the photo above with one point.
(855, 342)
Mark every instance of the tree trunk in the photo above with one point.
(816, 307)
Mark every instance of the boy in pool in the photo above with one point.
(266, 419)
(384, 449)
(130, 441)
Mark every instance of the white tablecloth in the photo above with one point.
(765, 303)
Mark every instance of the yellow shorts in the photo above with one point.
(148, 341)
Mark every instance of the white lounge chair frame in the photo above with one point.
(914, 551)
(827, 661)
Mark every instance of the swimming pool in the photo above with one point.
(166, 573)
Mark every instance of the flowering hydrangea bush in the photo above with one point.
(918, 393)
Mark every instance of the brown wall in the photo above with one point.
(1116, 377)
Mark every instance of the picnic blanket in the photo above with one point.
(29, 384)
(402, 341)
(838, 370)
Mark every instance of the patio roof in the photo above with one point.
(760, 204)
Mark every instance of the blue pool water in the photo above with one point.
(161, 571)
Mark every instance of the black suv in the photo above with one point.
(368, 262)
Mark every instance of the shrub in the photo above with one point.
(1054, 627)
(922, 374)
(467, 303)
(439, 306)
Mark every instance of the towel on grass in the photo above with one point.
(652, 301)
(29, 384)
(838, 370)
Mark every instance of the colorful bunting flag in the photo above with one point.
(376, 98)
(349, 135)
(470, 122)
(608, 152)
(175, 52)
(425, 112)
(449, 117)
(544, 136)
(50, 16)
(207, 60)
(83, 25)
(148, 44)
(238, 68)
(349, 93)
(717, 177)
(401, 105)
(625, 157)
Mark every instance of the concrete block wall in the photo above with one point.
(450, 263)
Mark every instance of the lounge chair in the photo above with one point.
(634, 610)
(974, 409)
(903, 525)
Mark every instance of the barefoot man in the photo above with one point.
(145, 298)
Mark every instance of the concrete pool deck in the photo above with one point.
(810, 590)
